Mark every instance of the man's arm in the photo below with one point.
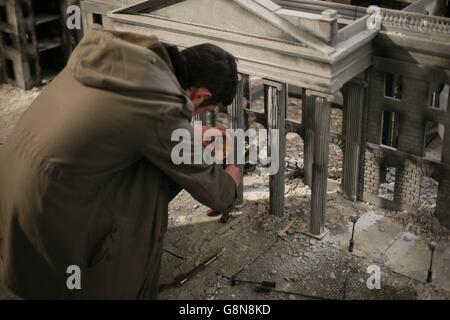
(211, 185)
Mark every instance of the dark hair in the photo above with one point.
(212, 67)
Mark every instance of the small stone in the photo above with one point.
(332, 275)
(196, 206)
(274, 272)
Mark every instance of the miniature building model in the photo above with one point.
(394, 81)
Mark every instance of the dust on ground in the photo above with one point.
(263, 247)
(302, 267)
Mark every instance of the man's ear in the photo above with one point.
(199, 93)
(198, 96)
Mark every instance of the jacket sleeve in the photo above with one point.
(208, 184)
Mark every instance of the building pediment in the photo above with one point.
(299, 48)
(259, 19)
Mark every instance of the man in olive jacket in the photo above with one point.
(84, 176)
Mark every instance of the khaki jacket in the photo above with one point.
(83, 177)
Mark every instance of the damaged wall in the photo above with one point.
(34, 40)
(407, 156)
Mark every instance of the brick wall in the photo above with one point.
(443, 199)
(408, 178)
(407, 184)
(372, 172)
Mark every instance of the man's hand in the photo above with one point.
(235, 173)
(206, 133)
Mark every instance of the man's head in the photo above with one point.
(212, 77)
